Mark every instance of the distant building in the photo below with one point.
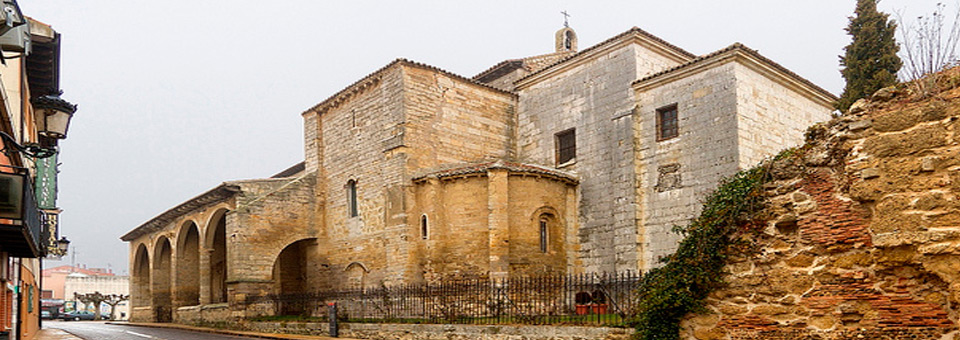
(567, 162)
(81, 283)
(54, 280)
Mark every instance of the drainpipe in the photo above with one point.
(19, 303)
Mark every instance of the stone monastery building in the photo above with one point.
(569, 162)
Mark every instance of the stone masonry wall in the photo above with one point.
(351, 144)
(443, 332)
(864, 238)
(771, 116)
(674, 175)
(595, 98)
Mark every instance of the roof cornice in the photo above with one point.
(748, 58)
(631, 36)
(373, 78)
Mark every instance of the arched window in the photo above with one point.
(352, 198)
(423, 227)
(544, 232)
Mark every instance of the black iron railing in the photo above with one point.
(587, 299)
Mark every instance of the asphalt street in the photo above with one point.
(98, 330)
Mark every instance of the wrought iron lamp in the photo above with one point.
(52, 115)
(29, 149)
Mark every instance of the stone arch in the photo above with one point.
(356, 275)
(161, 280)
(566, 40)
(188, 264)
(216, 245)
(140, 287)
(291, 277)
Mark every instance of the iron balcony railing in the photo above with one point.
(20, 223)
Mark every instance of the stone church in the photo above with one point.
(580, 160)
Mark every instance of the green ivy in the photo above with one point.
(668, 293)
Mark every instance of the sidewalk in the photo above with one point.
(55, 334)
(225, 331)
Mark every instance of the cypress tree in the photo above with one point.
(870, 61)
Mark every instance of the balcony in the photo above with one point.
(20, 227)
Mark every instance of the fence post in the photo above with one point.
(334, 327)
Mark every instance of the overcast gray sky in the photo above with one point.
(178, 96)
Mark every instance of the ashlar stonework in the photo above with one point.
(413, 174)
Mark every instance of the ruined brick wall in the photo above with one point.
(863, 239)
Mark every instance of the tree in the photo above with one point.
(113, 300)
(928, 47)
(870, 61)
(95, 298)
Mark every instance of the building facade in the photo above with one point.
(570, 162)
(29, 83)
(80, 283)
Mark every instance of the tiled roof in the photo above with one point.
(219, 193)
(463, 169)
(631, 31)
(293, 170)
(375, 75)
(751, 52)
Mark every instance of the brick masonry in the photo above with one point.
(862, 241)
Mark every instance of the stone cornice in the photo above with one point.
(632, 36)
(748, 58)
(374, 78)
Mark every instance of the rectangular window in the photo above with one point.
(667, 126)
(566, 146)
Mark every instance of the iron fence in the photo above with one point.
(586, 299)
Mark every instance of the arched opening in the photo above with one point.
(352, 198)
(356, 275)
(188, 265)
(162, 303)
(217, 234)
(141, 278)
(290, 278)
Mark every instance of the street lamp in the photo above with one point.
(52, 115)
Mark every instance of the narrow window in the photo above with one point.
(667, 122)
(543, 233)
(352, 197)
(566, 146)
(423, 227)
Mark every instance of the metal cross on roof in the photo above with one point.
(565, 16)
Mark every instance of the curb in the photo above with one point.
(227, 331)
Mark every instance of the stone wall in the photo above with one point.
(863, 240)
(470, 235)
(593, 96)
(674, 175)
(443, 332)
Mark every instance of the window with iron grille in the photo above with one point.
(667, 126)
(566, 146)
